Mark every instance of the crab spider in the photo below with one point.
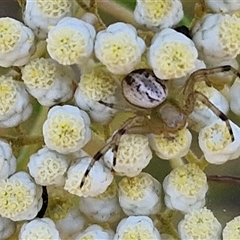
(156, 112)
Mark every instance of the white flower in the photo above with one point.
(175, 146)
(216, 143)
(202, 114)
(140, 227)
(7, 228)
(39, 228)
(133, 155)
(66, 129)
(20, 197)
(97, 181)
(95, 232)
(70, 41)
(48, 167)
(49, 82)
(223, 5)
(234, 96)
(119, 48)
(231, 230)
(97, 85)
(40, 15)
(171, 54)
(102, 208)
(217, 37)
(7, 160)
(16, 43)
(15, 106)
(185, 188)
(157, 15)
(200, 224)
(71, 223)
(140, 195)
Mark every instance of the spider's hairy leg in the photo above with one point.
(114, 143)
(202, 74)
(190, 103)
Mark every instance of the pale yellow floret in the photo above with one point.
(10, 34)
(67, 45)
(98, 84)
(138, 231)
(173, 145)
(174, 59)
(110, 192)
(39, 73)
(232, 229)
(131, 148)
(50, 168)
(229, 34)
(217, 137)
(54, 8)
(8, 94)
(134, 187)
(200, 224)
(156, 10)
(39, 232)
(15, 198)
(188, 179)
(118, 50)
(65, 131)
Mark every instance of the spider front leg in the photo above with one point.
(119, 107)
(113, 144)
(190, 103)
(202, 74)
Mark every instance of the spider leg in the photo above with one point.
(190, 103)
(95, 158)
(115, 149)
(116, 106)
(201, 75)
(114, 143)
(131, 130)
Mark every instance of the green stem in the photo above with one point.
(165, 223)
(36, 123)
(176, 162)
(192, 158)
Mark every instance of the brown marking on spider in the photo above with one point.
(156, 112)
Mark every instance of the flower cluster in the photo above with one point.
(144, 88)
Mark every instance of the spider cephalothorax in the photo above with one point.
(157, 114)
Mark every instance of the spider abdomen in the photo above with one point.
(143, 89)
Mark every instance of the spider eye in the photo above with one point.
(143, 89)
